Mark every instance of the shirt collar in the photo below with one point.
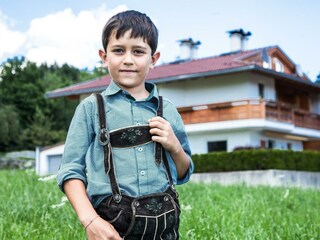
(113, 89)
(153, 90)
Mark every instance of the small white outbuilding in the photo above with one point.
(48, 159)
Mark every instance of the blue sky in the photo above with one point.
(69, 30)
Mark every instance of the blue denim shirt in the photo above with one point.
(136, 171)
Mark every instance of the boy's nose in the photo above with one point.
(127, 59)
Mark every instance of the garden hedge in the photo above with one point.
(257, 159)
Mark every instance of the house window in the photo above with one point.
(261, 90)
(262, 144)
(267, 62)
(217, 146)
(289, 146)
(270, 144)
(270, 62)
(278, 66)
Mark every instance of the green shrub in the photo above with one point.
(257, 159)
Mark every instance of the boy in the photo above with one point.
(108, 184)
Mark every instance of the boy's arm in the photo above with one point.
(163, 133)
(96, 227)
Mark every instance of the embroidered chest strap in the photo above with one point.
(131, 136)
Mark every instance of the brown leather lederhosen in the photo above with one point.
(152, 216)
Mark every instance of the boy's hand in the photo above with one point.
(102, 230)
(162, 133)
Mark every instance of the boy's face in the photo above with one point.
(128, 61)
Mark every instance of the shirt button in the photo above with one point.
(138, 124)
(142, 173)
(140, 149)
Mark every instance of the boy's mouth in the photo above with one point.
(127, 71)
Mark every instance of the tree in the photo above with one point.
(20, 86)
(23, 105)
(9, 128)
(40, 132)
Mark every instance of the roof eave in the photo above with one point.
(286, 76)
(203, 74)
(74, 92)
(236, 70)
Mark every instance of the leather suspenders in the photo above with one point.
(104, 139)
(138, 135)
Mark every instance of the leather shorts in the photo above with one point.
(153, 216)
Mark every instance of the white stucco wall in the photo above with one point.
(199, 142)
(279, 143)
(207, 90)
(268, 83)
(220, 89)
(238, 138)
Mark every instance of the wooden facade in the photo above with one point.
(250, 109)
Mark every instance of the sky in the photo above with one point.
(69, 31)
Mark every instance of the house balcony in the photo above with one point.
(250, 109)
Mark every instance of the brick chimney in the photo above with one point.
(239, 39)
(188, 49)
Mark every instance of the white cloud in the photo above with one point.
(10, 40)
(61, 37)
(66, 37)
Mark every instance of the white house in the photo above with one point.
(244, 98)
(48, 159)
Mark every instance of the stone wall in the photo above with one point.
(17, 164)
(281, 178)
(18, 160)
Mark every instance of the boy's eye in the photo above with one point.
(138, 52)
(117, 50)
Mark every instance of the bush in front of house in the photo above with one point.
(257, 159)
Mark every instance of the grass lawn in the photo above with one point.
(34, 209)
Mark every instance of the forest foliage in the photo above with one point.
(27, 118)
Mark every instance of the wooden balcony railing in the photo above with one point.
(285, 113)
(249, 109)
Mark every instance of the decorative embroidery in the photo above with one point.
(131, 135)
(154, 205)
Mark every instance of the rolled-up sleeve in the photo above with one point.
(78, 140)
(181, 134)
(184, 141)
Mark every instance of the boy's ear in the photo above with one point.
(103, 57)
(154, 58)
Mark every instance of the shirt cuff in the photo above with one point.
(186, 178)
(71, 171)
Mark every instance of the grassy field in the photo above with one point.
(35, 209)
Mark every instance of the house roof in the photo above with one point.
(51, 146)
(179, 70)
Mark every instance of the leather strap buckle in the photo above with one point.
(104, 137)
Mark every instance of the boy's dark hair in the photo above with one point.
(139, 24)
